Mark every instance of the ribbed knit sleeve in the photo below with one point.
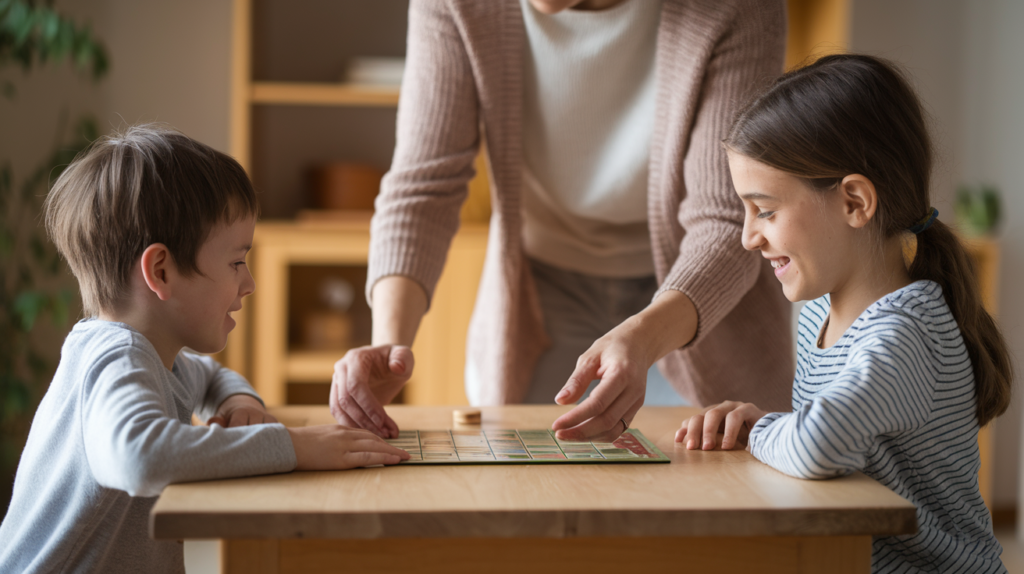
(417, 211)
(712, 267)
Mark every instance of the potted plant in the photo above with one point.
(33, 282)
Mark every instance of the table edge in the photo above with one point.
(886, 521)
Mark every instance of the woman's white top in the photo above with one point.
(588, 100)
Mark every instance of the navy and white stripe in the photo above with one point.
(893, 398)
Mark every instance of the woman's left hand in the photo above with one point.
(621, 359)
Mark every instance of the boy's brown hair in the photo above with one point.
(149, 184)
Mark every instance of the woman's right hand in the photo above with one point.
(366, 379)
(334, 447)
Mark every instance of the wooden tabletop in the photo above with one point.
(716, 493)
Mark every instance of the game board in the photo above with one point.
(511, 446)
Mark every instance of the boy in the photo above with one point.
(155, 227)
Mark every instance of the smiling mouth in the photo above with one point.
(781, 264)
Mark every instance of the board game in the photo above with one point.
(513, 446)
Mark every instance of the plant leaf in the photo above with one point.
(27, 306)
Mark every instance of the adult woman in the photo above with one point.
(541, 83)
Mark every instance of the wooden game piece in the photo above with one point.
(466, 416)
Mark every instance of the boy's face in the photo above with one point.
(204, 302)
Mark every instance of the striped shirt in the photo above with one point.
(893, 398)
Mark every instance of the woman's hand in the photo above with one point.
(365, 380)
(334, 447)
(621, 359)
(733, 418)
(606, 413)
(241, 410)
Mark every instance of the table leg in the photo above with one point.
(796, 555)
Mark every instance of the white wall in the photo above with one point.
(992, 149)
(965, 60)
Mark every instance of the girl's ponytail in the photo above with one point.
(942, 258)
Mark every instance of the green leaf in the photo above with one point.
(19, 22)
(49, 26)
(27, 306)
(60, 307)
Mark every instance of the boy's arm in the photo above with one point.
(220, 384)
(885, 389)
(135, 442)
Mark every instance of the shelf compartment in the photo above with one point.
(324, 94)
(311, 366)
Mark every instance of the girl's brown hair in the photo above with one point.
(854, 114)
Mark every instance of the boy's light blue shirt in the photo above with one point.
(112, 431)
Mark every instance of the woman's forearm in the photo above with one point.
(399, 304)
(669, 322)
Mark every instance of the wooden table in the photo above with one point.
(707, 511)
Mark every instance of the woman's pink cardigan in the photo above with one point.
(463, 84)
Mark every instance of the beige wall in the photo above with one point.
(171, 63)
(964, 57)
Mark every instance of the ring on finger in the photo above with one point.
(625, 427)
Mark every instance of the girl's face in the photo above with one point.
(801, 231)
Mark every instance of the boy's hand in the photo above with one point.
(334, 447)
(733, 418)
(240, 411)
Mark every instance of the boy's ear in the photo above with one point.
(859, 199)
(157, 265)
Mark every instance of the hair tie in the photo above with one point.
(908, 237)
(925, 222)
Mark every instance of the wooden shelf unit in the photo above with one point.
(439, 349)
(260, 347)
(323, 94)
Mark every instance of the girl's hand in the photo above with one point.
(612, 405)
(334, 447)
(241, 410)
(365, 380)
(733, 418)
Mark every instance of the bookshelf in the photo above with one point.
(289, 110)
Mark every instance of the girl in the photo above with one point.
(898, 363)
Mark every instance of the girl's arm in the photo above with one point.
(884, 389)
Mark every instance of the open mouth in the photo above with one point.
(780, 264)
